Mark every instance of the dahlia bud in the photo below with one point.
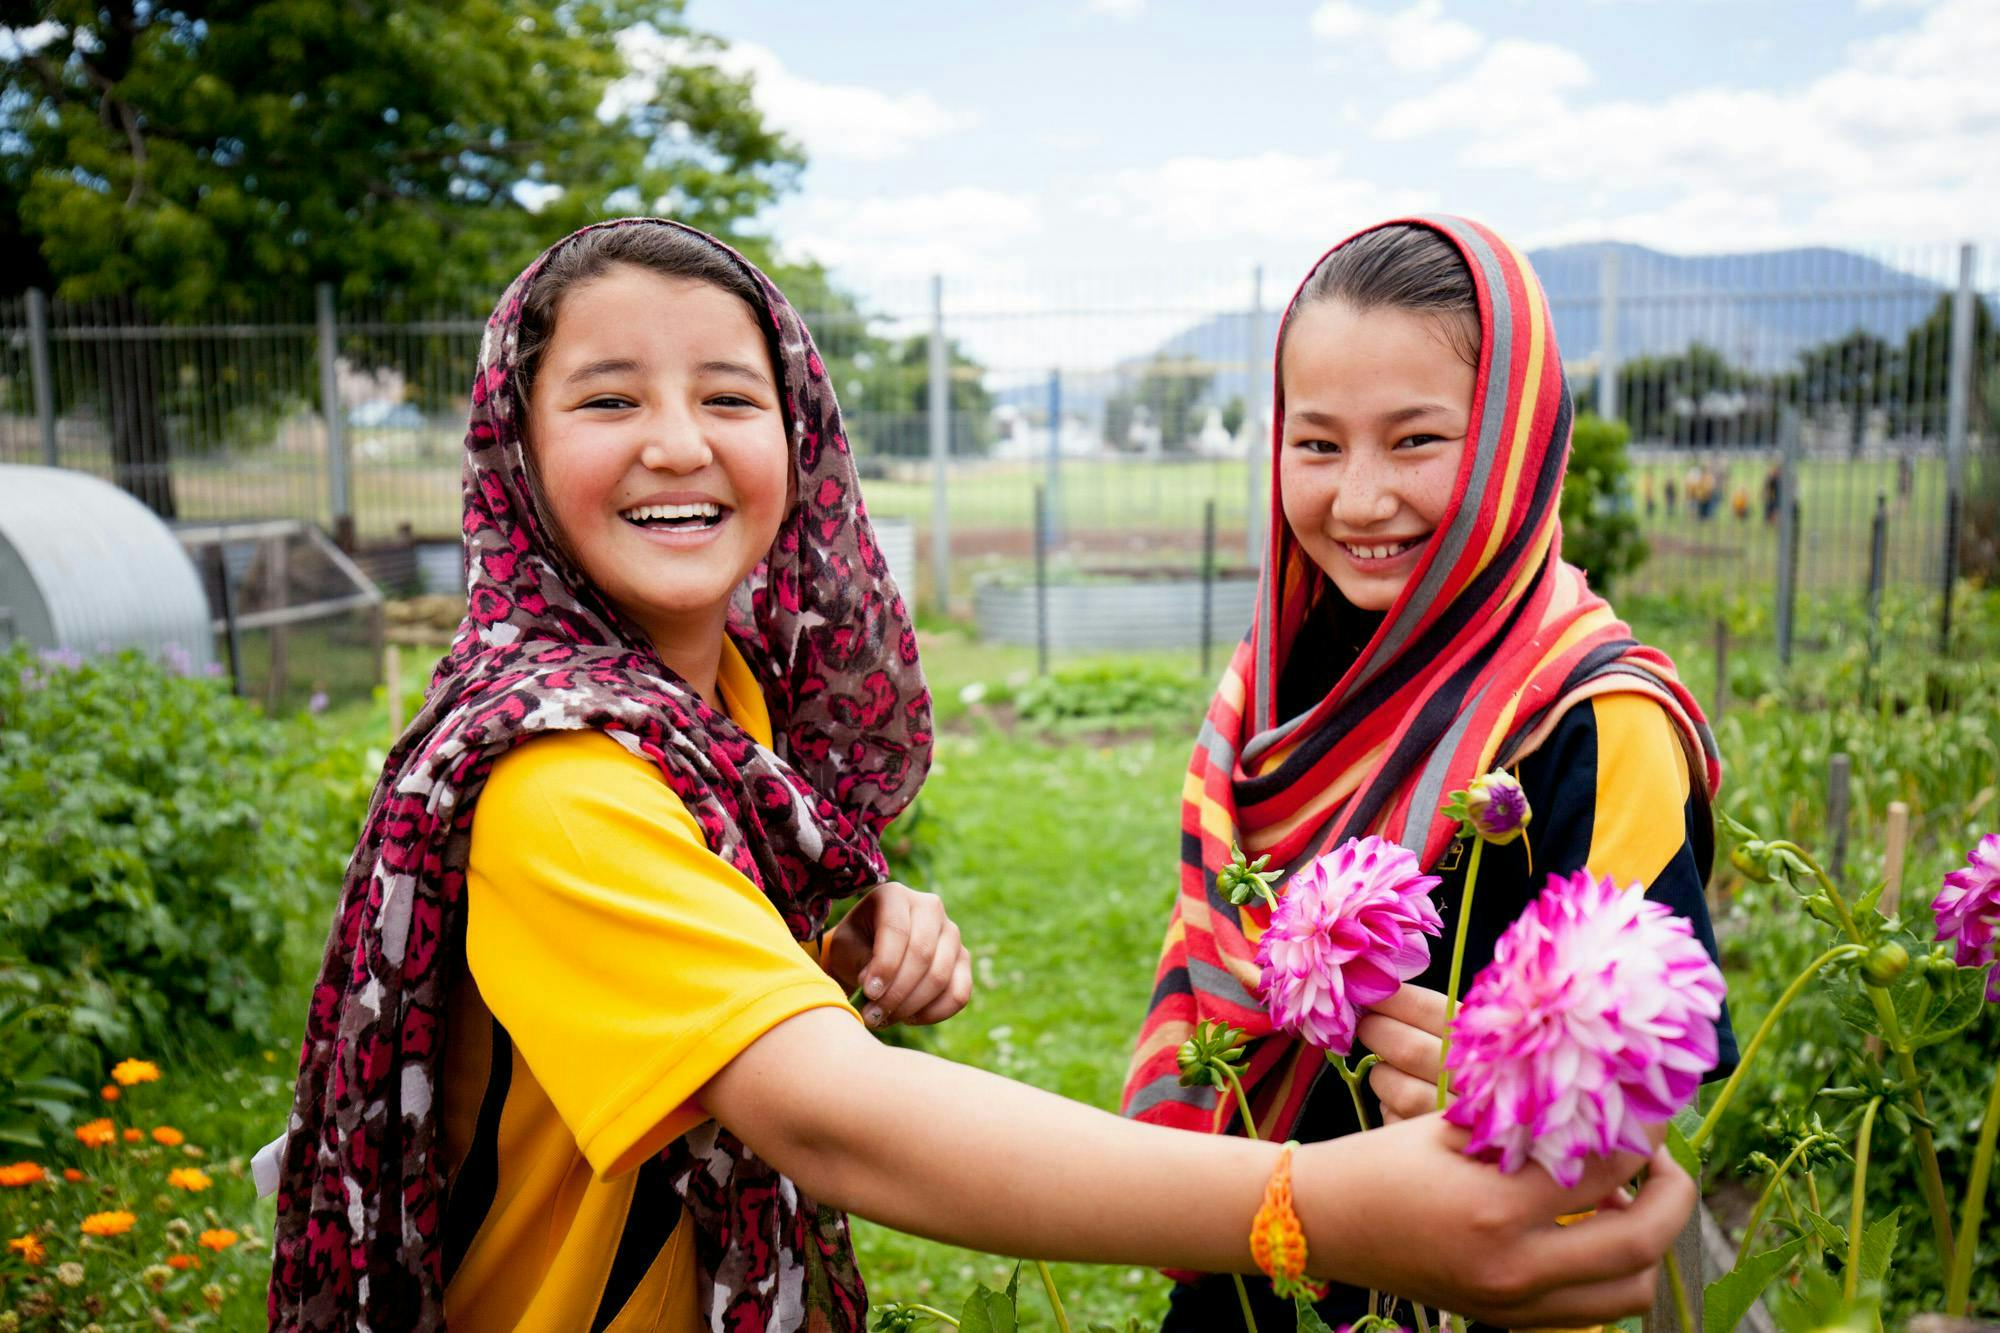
(1753, 861)
(1203, 1056)
(1493, 807)
(1884, 963)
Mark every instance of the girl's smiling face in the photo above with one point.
(1377, 405)
(658, 437)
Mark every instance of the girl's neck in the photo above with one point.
(691, 647)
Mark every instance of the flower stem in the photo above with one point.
(1854, 1216)
(1242, 1102)
(1770, 1192)
(1352, 1078)
(1975, 1203)
(1722, 1099)
(1682, 1310)
(1931, 1177)
(1457, 969)
(1243, 1298)
(1055, 1301)
(1423, 1319)
(932, 1311)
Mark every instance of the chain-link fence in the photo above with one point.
(1817, 417)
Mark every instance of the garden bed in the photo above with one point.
(1114, 609)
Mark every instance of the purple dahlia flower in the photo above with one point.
(1968, 909)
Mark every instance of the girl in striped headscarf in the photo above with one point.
(1416, 627)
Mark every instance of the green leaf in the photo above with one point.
(1309, 1320)
(1729, 1298)
(1831, 1234)
(987, 1311)
(1683, 1151)
(1964, 995)
(1878, 1245)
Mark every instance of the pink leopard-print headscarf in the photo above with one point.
(361, 1197)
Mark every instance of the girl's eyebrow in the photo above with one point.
(608, 366)
(736, 368)
(1395, 418)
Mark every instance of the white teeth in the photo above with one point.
(704, 509)
(1378, 552)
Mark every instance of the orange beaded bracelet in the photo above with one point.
(1277, 1240)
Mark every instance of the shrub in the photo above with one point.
(157, 835)
(1600, 531)
(1110, 693)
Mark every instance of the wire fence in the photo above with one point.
(1805, 417)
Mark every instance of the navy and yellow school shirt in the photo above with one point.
(614, 965)
(1610, 790)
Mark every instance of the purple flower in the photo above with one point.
(1494, 806)
(62, 658)
(1968, 909)
(316, 704)
(1349, 930)
(1595, 1018)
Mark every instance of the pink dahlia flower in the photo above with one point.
(1595, 1018)
(1349, 929)
(1968, 909)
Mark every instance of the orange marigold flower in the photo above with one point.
(135, 1136)
(189, 1178)
(29, 1248)
(109, 1092)
(1277, 1240)
(97, 1134)
(183, 1262)
(108, 1224)
(72, 1175)
(168, 1136)
(128, 1072)
(22, 1173)
(218, 1240)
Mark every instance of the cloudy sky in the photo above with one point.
(1094, 138)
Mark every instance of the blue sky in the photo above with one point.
(1058, 144)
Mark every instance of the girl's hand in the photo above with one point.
(904, 953)
(1406, 1030)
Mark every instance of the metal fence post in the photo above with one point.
(1878, 558)
(1607, 336)
(1260, 433)
(38, 369)
(338, 470)
(1207, 582)
(1054, 510)
(940, 418)
(1041, 583)
(1959, 389)
(1788, 530)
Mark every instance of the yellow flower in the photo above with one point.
(108, 1224)
(29, 1248)
(189, 1178)
(213, 1295)
(218, 1240)
(22, 1173)
(135, 1136)
(169, 1137)
(97, 1134)
(183, 1262)
(128, 1072)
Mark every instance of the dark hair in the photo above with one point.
(1402, 267)
(673, 252)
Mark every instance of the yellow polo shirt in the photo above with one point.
(614, 965)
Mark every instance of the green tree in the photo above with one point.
(198, 157)
(1662, 397)
(1233, 414)
(890, 415)
(1600, 531)
(1169, 390)
(1922, 393)
(1852, 375)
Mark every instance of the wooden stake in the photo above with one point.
(1897, 841)
(1838, 769)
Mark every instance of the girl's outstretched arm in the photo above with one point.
(951, 1152)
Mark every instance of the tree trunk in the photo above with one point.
(141, 457)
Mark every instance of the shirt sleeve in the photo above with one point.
(627, 961)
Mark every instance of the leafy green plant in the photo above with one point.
(34, 1097)
(157, 836)
(1600, 531)
(1111, 693)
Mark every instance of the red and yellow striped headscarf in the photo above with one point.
(1491, 641)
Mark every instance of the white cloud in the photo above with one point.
(1272, 196)
(1899, 142)
(957, 231)
(1122, 9)
(1419, 39)
(831, 120)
